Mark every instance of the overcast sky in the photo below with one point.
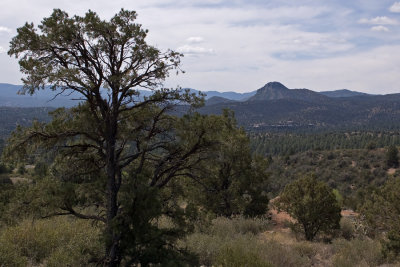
(241, 45)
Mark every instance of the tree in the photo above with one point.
(392, 158)
(381, 210)
(312, 204)
(234, 181)
(117, 153)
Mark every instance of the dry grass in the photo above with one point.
(225, 243)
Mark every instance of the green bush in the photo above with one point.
(347, 229)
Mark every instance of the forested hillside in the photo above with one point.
(277, 107)
(288, 143)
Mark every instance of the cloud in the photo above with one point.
(2, 50)
(195, 50)
(379, 28)
(395, 8)
(5, 29)
(195, 40)
(380, 20)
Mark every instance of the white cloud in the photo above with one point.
(194, 50)
(379, 28)
(374, 71)
(395, 7)
(195, 40)
(380, 20)
(5, 29)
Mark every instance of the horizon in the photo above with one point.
(247, 92)
(322, 46)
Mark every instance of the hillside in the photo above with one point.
(276, 91)
(274, 106)
(342, 93)
(10, 117)
(347, 170)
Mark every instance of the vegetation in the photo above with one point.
(54, 242)
(312, 204)
(292, 142)
(120, 159)
(123, 149)
(382, 213)
(351, 171)
(392, 157)
(124, 179)
(234, 182)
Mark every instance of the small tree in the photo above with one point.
(313, 204)
(381, 210)
(392, 158)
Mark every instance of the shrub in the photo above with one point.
(357, 252)
(237, 255)
(347, 228)
(234, 243)
(56, 242)
(222, 226)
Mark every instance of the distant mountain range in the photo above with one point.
(45, 98)
(276, 106)
(272, 106)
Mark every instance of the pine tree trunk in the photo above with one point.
(112, 246)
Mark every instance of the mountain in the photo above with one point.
(218, 100)
(9, 97)
(274, 106)
(45, 98)
(276, 90)
(230, 95)
(342, 93)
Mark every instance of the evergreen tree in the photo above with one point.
(392, 158)
(118, 154)
(312, 204)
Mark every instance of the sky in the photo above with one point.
(240, 45)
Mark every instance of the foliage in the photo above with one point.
(347, 228)
(40, 169)
(234, 255)
(55, 242)
(312, 204)
(392, 157)
(381, 210)
(231, 242)
(234, 181)
(7, 194)
(117, 155)
(291, 142)
(350, 171)
(357, 252)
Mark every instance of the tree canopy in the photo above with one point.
(313, 204)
